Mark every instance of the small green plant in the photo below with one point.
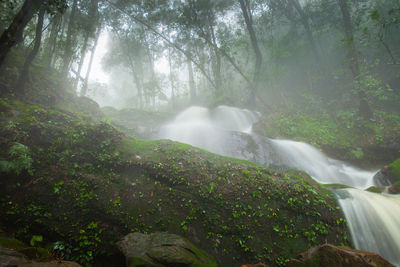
(36, 239)
(20, 160)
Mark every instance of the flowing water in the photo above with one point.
(373, 219)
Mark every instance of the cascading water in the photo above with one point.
(371, 217)
(373, 220)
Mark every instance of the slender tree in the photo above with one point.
(246, 11)
(364, 108)
(92, 21)
(13, 34)
(24, 76)
(68, 44)
(86, 81)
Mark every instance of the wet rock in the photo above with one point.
(254, 265)
(395, 188)
(389, 174)
(375, 189)
(51, 264)
(330, 255)
(162, 249)
(381, 178)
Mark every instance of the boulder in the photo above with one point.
(51, 264)
(395, 188)
(162, 249)
(10, 257)
(389, 174)
(254, 265)
(330, 255)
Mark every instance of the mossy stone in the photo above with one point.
(393, 170)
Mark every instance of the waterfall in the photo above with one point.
(373, 219)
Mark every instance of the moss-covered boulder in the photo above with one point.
(84, 185)
(375, 189)
(329, 255)
(15, 253)
(137, 123)
(389, 174)
(162, 250)
(394, 188)
(393, 171)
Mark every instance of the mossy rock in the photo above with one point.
(162, 250)
(109, 185)
(395, 188)
(393, 171)
(11, 243)
(329, 255)
(375, 189)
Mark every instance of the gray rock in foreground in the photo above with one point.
(162, 249)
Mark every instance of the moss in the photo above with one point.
(375, 189)
(342, 135)
(11, 243)
(92, 184)
(394, 170)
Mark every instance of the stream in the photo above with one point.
(373, 219)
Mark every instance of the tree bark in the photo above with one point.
(85, 83)
(192, 85)
(307, 28)
(171, 80)
(82, 60)
(364, 109)
(216, 66)
(51, 44)
(24, 77)
(68, 44)
(244, 5)
(13, 34)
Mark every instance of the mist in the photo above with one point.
(200, 133)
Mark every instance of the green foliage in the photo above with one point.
(394, 169)
(36, 239)
(357, 153)
(19, 160)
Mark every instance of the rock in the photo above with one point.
(375, 189)
(51, 264)
(389, 174)
(11, 261)
(9, 258)
(395, 188)
(330, 255)
(162, 249)
(254, 265)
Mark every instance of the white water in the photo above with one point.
(373, 219)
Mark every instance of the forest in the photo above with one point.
(199, 133)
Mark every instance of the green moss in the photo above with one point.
(394, 170)
(92, 185)
(11, 243)
(375, 189)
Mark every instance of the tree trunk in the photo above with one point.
(192, 85)
(82, 60)
(306, 25)
(216, 66)
(51, 43)
(24, 77)
(171, 80)
(68, 44)
(364, 109)
(85, 83)
(13, 34)
(244, 5)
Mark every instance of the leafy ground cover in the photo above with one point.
(82, 185)
(343, 135)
